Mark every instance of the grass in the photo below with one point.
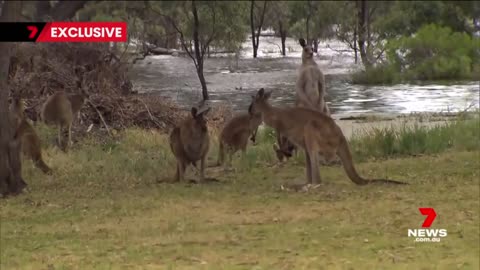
(461, 135)
(104, 209)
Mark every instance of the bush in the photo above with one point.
(382, 74)
(434, 53)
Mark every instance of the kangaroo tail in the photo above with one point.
(42, 166)
(347, 161)
(221, 153)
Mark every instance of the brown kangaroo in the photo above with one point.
(235, 134)
(313, 131)
(29, 141)
(60, 109)
(190, 142)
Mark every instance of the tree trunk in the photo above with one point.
(198, 54)
(256, 37)
(252, 28)
(202, 82)
(362, 31)
(315, 45)
(307, 28)
(283, 36)
(11, 181)
(355, 49)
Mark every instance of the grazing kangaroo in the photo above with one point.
(60, 109)
(313, 131)
(190, 142)
(29, 141)
(310, 93)
(235, 134)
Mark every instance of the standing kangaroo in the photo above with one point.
(313, 131)
(235, 134)
(60, 109)
(29, 141)
(310, 86)
(190, 142)
(310, 91)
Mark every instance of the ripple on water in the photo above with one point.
(233, 82)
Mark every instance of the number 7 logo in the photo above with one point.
(33, 31)
(431, 215)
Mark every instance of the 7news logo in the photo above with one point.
(425, 234)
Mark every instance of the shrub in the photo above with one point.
(434, 53)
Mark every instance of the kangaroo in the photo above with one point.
(313, 131)
(190, 142)
(310, 93)
(60, 109)
(235, 134)
(29, 141)
(284, 149)
(310, 86)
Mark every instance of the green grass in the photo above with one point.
(460, 134)
(104, 209)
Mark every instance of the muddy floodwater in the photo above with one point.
(233, 81)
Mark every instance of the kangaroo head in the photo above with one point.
(200, 123)
(259, 102)
(307, 52)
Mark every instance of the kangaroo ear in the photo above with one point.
(260, 92)
(302, 42)
(194, 112)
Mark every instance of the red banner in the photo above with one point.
(82, 32)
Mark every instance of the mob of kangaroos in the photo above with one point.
(313, 131)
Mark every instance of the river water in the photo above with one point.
(233, 81)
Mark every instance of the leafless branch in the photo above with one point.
(182, 37)
(273, 43)
(101, 117)
(336, 50)
(154, 119)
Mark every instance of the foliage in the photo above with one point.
(321, 16)
(434, 53)
(407, 17)
(461, 135)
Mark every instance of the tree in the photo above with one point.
(359, 27)
(362, 15)
(199, 36)
(313, 20)
(62, 10)
(200, 24)
(277, 17)
(256, 23)
(11, 181)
